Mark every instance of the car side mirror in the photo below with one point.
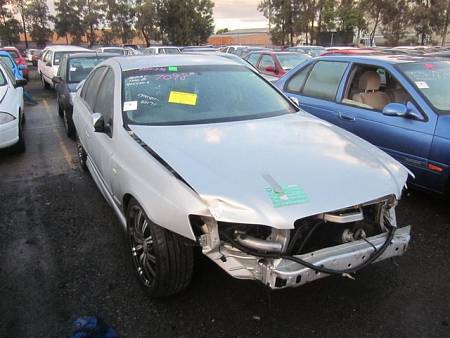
(401, 110)
(57, 79)
(20, 83)
(98, 122)
(294, 100)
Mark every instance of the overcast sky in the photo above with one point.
(234, 14)
(231, 14)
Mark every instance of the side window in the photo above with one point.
(324, 79)
(296, 82)
(253, 58)
(104, 103)
(373, 87)
(92, 87)
(62, 68)
(231, 50)
(48, 57)
(266, 61)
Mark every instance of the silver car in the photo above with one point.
(198, 150)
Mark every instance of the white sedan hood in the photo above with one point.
(236, 166)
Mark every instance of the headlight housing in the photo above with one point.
(6, 117)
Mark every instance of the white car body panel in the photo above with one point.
(230, 177)
(11, 102)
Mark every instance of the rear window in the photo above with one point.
(7, 61)
(171, 51)
(289, 61)
(198, 94)
(13, 53)
(432, 80)
(324, 79)
(59, 55)
(79, 68)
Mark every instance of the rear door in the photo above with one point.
(84, 123)
(316, 87)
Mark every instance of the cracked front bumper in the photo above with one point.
(283, 273)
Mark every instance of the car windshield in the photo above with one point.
(432, 79)
(13, 53)
(60, 55)
(171, 50)
(289, 61)
(80, 67)
(198, 94)
(7, 61)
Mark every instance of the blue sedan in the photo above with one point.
(399, 103)
(7, 58)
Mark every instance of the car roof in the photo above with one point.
(4, 53)
(90, 55)
(64, 48)
(164, 60)
(391, 59)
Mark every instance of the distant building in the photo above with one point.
(251, 36)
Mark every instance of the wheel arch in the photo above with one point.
(189, 234)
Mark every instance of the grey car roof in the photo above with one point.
(392, 59)
(145, 61)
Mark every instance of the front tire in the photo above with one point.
(163, 260)
(20, 147)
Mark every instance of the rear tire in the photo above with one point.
(82, 155)
(68, 125)
(162, 259)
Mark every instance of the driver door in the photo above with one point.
(407, 140)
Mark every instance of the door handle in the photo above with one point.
(346, 117)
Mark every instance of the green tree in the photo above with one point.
(395, 20)
(38, 17)
(19, 8)
(92, 12)
(147, 20)
(69, 20)
(185, 22)
(120, 15)
(282, 15)
(222, 31)
(427, 17)
(9, 27)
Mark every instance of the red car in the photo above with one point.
(275, 63)
(20, 60)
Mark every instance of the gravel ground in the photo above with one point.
(63, 255)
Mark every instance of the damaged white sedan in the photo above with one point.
(201, 151)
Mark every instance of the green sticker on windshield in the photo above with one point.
(290, 195)
(173, 68)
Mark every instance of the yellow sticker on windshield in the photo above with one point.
(183, 98)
